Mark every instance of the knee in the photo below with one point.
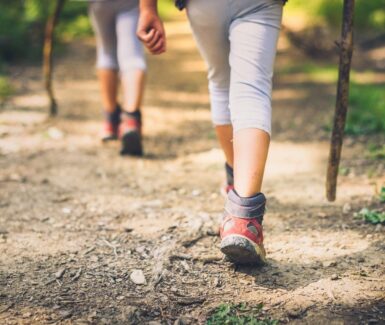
(219, 99)
(132, 61)
(254, 114)
(106, 61)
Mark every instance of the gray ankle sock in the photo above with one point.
(246, 207)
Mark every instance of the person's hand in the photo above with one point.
(151, 31)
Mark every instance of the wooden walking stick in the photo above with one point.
(47, 54)
(346, 51)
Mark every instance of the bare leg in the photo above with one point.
(108, 82)
(133, 89)
(225, 138)
(250, 153)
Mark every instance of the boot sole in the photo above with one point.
(109, 138)
(131, 144)
(241, 250)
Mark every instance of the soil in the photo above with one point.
(76, 219)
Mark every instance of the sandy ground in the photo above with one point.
(76, 218)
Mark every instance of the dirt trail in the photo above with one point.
(69, 204)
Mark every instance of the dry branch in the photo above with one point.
(346, 51)
(47, 54)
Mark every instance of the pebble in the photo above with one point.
(196, 192)
(55, 133)
(328, 263)
(138, 277)
(334, 277)
(60, 273)
(66, 210)
(346, 208)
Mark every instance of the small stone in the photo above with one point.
(55, 133)
(346, 208)
(65, 314)
(140, 249)
(216, 282)
(59, 274)
(196, 192)
(94, 258)
(28, 314)
(334, 277)
(328, 263)
(182, 191)
(66, 210)
(138, 277)
(185, 320)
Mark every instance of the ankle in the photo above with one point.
(229, 174)
(113, 116)
(252, 207)
(137, 115)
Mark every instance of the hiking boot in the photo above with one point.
(241, 231)
(111, 125)
(130, 131)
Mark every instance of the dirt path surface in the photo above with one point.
(76, 219)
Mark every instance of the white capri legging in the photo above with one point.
(238, 41)
(114, 23)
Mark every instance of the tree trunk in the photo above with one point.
(346, 51)
(47, 55)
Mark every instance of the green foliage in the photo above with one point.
(166, 9)
(74, 21)
(368, 13)
(372, 216)
(367, 109)
(22, 25)
(376, 152)
(382, 194)
(5, 88)
(241, 314)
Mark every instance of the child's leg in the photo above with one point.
(210, 24)
(103, 22)
(253, 37)
(131, 59)
(250, 147)
(108, 84)
(132, 66)
(225, 138)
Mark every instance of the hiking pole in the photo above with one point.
(346, 51)
(47, 55)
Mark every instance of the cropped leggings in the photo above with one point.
(238, 41)
(114, 23)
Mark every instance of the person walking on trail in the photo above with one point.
(238, 41)
(120, 54)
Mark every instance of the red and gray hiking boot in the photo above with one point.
(241, 231)
(130, 132)
(111, 125)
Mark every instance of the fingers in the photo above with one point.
(153, 40)
(151, 32)
(145, 36)
(159, 47)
